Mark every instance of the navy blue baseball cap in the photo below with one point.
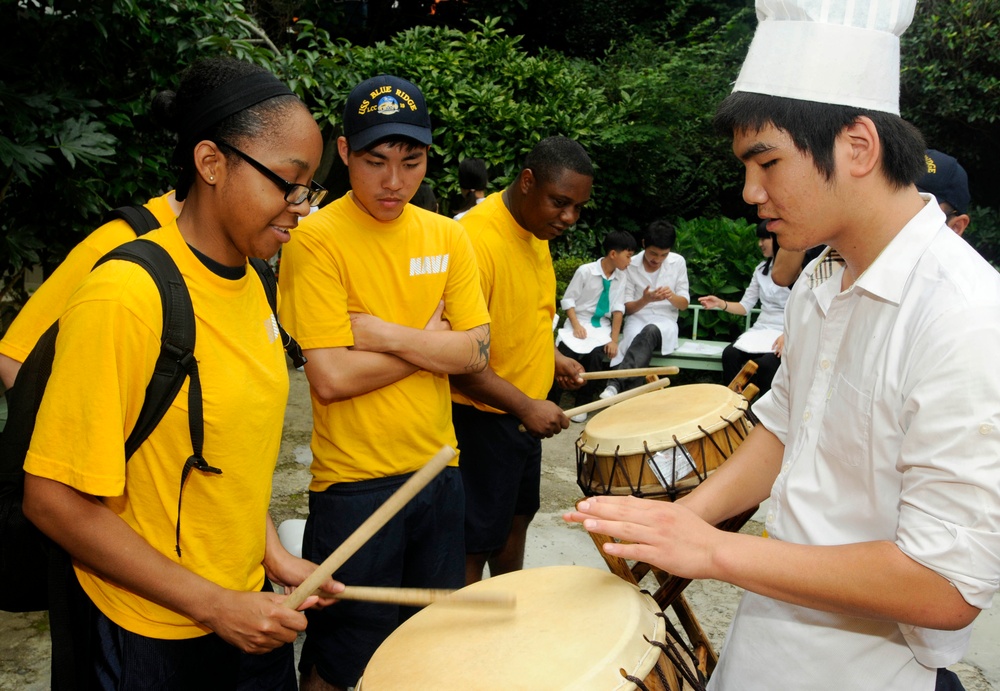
(385, 106)
(946, 179)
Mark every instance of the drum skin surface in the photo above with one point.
(655, 418)
(573, 627)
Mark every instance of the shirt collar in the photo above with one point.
(888, 274)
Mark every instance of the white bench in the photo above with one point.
(695, 353)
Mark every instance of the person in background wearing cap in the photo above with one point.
(384, 298)
(946, 179)
(501, 466)
(163, 605)
(879, 442)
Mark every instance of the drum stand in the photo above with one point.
(669, 587)
(668, 591)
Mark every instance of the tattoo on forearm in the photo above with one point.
(480, 358)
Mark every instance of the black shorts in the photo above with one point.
(126, 660)
(501, 468)
(422, 546)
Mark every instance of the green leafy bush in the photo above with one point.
(565, 267)
(721, 254)
(983, 233)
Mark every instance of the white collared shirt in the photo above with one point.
(888, 403)
(772, 299)
(584, 291)
(671, 274)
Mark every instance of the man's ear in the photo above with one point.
(343, 149)
(959, 223)
(526, 180)
(859, 148)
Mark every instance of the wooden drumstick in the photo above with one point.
(420, 597)
(372, 524)
(634, 372)
(617, 398)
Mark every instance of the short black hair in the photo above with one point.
(392, 141)
(619, 241)
(425, 198)
(660, 233)
(554, 155)
(472, 174)
(814, 127)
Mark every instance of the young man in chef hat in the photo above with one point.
(879, 442)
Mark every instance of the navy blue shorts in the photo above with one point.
(126, 660)
(420, 547)
(501, 468)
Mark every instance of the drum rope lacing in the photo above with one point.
(675, 651)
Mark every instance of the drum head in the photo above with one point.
(573, 628)
(654, 419)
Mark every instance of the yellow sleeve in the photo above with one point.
(108, 342)
(464, 305)
(48, 302)
(313, 306)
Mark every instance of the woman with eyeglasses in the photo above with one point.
(186, 607)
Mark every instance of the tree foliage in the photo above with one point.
(950, 85)
(636, 83)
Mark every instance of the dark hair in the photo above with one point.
(814, 127)
(472, 178)
(392, 141)
(554, 155)
(472, 174)
(660, 233)
(762, 232)
(619, 241)
(424, 198)
(196, 82)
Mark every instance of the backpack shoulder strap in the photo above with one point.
(138, 217)
(176, 360)
(267, 277)
(23, 400)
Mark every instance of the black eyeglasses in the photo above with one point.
(295, 193)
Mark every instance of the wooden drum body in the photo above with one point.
(661, 444)
(572, 628)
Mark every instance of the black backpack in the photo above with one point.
(29, 560)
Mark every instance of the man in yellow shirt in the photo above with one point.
(501, 466)
(370, 284)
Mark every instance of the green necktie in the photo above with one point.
(603, 303)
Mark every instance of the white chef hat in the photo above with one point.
(844, 52)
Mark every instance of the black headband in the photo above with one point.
(229, 99)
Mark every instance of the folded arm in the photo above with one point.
(434, 350)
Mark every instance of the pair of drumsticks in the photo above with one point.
(402, 596)
(618, 398)
(408, 490)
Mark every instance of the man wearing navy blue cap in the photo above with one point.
(946, 179)
(384, 298)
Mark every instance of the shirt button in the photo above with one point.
(770, 516)
(985, 428)
(806, 415)
(825, 364)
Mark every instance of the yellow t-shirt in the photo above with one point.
(48, 302)
(109, 338)
(342, 260)
(519, 284)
